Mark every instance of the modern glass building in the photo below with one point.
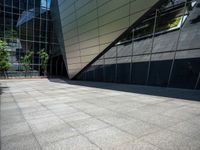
(161, 50)
(26, 25)
(154, 42)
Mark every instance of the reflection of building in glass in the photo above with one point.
(26, 25)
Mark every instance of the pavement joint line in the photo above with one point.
(109, 98)
(27, 123)
(140, 119)
(137, 138)
(70, 126)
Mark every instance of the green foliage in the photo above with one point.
(44, 57)
(26, 61)
(4, 54)
(11, 34)
(169, 24)
(160, 26)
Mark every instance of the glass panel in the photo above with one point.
(123, 73)
(110, 73)
(198, 85)
(24, 32)
(159, 73)
(185, 73)
(99, 73)
(139, 72)
(89, 74)
(190, 33)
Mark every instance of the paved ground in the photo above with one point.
(49, 115)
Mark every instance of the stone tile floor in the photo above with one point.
(60, 115)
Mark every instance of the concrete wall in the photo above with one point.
(89, 26)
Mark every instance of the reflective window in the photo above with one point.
(185, 73)
(159, 73)
(24, 25)
(99, 73)
(164, 48)
(110, 72)
(123, 73)
(139, 72)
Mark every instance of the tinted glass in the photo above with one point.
(123, 73)
(24, 26)
(185, 73)
(99, 73)
(89, 75)
(110, 73)
(139, 72)
(159, 73)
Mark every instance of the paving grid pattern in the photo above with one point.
(45, 115)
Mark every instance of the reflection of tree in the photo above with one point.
(44, 59)
(4, 54)
(11, 34)
(26, 61)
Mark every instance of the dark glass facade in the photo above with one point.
(26, 25)
(162, 50)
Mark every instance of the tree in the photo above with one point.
(4, 54)
(26, 61)
(44, 60)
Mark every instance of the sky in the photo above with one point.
(46, 2)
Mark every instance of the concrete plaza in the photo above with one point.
(71, 115)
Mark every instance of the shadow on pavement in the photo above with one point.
(2, 89)
(149, 90)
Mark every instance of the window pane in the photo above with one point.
(159, 73)
(198, 86)
(185, 73)
(139, 72)
(123, 73)
(110, 73)
(89, 75)
(99, 73)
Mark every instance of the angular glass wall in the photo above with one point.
(26, 25)
(90, 26)
(162, 50)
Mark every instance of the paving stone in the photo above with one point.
(88, 125)
(180, 114)
(139, 128)
(10, 129)
(161, 120)
(39, 115)
(187, 128)
(99, 112)
(55, 134)
(136, 145)
(109, 138)
(8, 106)
(74, 143)
(10, 119)
(115, 119)
(168, 140)
(40, 125)
(195, 120)
(91, 115)
(20, 142)
(74, 116)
